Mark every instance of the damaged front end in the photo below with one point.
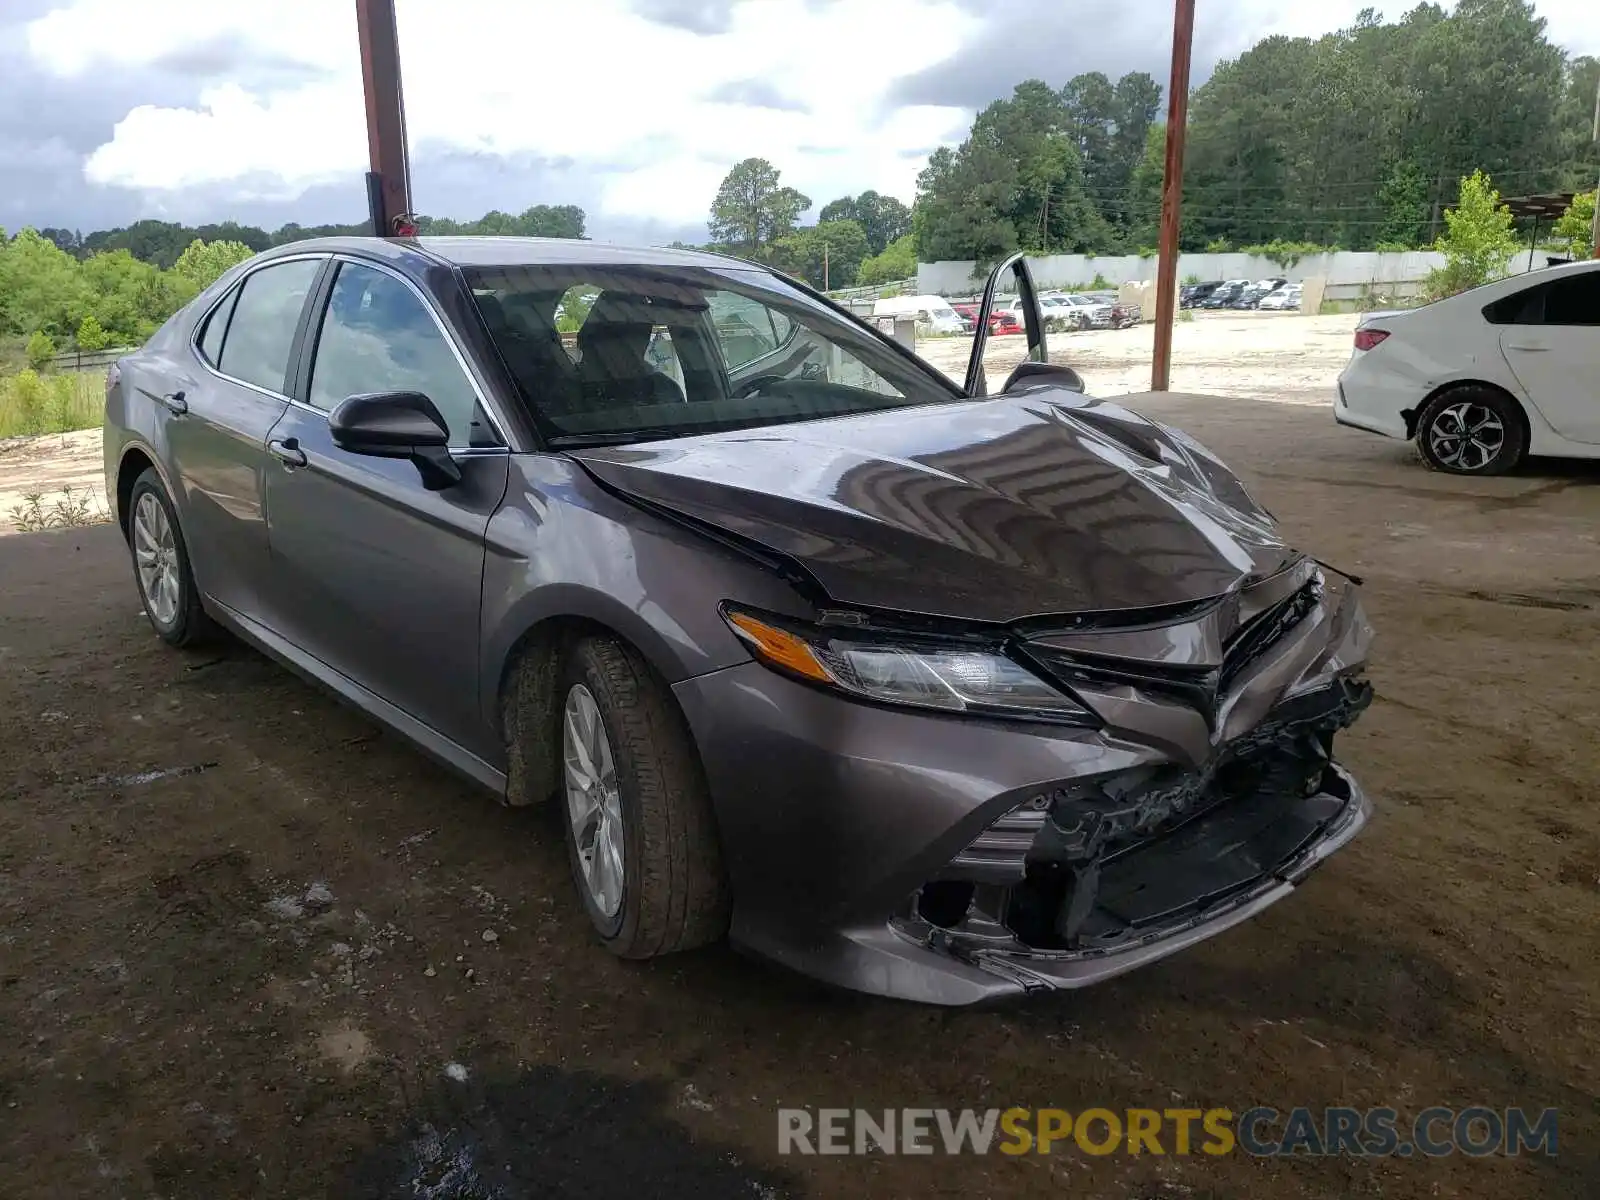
(1239, 798)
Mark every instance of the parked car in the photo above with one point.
(1483, 379)
(1004, 322)
(933, 314)
(1067, 311)
(1224, 295)
(1282, 299)
(1191, 294)
(943, 692)
(1255, 293)
(968, 314)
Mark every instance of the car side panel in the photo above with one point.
(562, 546)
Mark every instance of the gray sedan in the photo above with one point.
(941, 692)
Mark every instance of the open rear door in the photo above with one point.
(1010, 278)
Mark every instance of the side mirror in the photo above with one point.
(397, 425)
(1036, 372)
(1011, 275)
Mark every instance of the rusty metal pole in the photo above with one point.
(1172, 194)
(389, 180)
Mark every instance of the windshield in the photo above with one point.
(605, 354)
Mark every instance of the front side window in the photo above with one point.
(746, 329)
(673, 352)
(256, 346)
(378, 336)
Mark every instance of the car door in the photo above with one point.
(1552, 345)
(380, 578)
(217, 418)
(1011, 276)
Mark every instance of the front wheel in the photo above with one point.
(640, 832)
(1472, 431)
(161, 565)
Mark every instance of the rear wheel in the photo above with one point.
(161, 565)
(1472, 430)
(640, 833)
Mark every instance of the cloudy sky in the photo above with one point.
(200, 110)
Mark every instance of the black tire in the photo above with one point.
(1479, 455)
(674, 893)
(188, 625)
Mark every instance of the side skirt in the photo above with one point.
(429, 740)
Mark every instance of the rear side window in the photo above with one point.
(1574, 300)
(1570, 300)
(216, 327)
(261, 333)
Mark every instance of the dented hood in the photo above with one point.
(1039, 503)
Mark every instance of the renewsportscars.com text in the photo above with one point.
(1264, 1132)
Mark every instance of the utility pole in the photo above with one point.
(1172, 195)
(389, 179)
(824, 265)
(1594, 230)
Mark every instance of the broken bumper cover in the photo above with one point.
(836, 818)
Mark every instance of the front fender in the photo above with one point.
(560, 546)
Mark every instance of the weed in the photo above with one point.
(73, 508)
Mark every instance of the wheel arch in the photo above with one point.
(134, 460)
(1413, 416)
(522, 676)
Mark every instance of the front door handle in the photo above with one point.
(1528, 347)
(287, 451)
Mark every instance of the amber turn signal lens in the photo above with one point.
(779, 648)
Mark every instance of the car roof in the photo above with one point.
(520, 252)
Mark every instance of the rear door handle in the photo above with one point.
(287, 451)
(1528, 347)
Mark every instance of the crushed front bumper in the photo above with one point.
(956, 861)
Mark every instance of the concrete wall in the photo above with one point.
(1346, 271)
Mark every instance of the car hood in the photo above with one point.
(1039, 503)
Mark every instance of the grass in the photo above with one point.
(31, 403)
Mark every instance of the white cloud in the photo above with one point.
(592, 82)
(625, 99)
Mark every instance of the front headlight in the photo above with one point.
(918, 673)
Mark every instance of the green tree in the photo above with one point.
(1478, 241)
(1577, 224)
(898, 261)
(1404, 198)
(41, 349)
(752, 209)
(41, 287)
(828, 254)
(882, 218)
(202, 263)
(1017, 181)
(90, 336)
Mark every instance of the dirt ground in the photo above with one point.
(46, 465)
(250, 945)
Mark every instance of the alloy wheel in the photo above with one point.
(155, 554)
(594, 805)
(1466, 436)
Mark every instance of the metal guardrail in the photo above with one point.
(861, 295)
(89, 360)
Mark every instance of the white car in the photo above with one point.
(932, 314)
(1284, 298)
(1484, 379)
(1071, 310)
